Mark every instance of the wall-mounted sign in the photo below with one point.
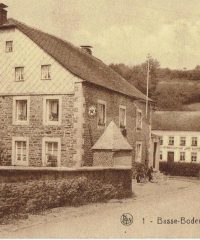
(181, 148)
(92, 110)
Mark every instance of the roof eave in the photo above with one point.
(7, 26)
(119, 92)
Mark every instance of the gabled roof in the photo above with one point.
(176, 120)
(78, 62)
(112, 139)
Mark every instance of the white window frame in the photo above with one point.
(20, 139)
(46, 65)
(49, 139)
(185, 141)
(9, 49)
(22, 79)
(14, 112)
(103, 103)
(195, 153)
(124, 108)
(192, 141)
(138, 159)
(181, 158)
(138, 128)
(46, 121)
(169, 141)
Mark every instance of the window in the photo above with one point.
(19, 74)
(52, 111)
(101, 113)
(182, 156)
(171, 140)
(194, 141)
(138, 152)
(161, 140)
(122, 116)
(9, 46)
(21, 107)
(193, 156)
(51, 152)
(161, 156)
(182, 141)
(20, 151)
(21, 110)
(138, 119)
(46, 72)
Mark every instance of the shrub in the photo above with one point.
(36, 196)
(180, 169)
(139, 168)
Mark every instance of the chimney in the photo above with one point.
(3, 14)
(87, 49)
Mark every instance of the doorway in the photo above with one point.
(154, 154)
(170, 157)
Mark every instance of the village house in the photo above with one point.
(56, 100)
(179, 133)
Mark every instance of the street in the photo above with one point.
(162, 209)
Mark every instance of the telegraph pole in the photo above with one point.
(147, 90)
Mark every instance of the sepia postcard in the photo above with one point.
(99, 119)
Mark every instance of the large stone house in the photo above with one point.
(179, 133)
(56, 100)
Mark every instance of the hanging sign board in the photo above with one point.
(92, 110)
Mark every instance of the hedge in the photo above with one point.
(180, 169)
(35, 196)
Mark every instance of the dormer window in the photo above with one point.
(46, 72)
(9, 46)
(19, 74)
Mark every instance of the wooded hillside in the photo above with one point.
(171, 89)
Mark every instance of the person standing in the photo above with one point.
(149, 174)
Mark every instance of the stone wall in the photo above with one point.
(112, 158)
(103, 158)
(36, 130)
(114, 176)
(92, 131)
(78, 131)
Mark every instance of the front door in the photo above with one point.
(170, 157)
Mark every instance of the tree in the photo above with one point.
(171, 89)
(197, 68)
(137, 75)
(168, 97)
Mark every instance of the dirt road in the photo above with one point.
(177, 200)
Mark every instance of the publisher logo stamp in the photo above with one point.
(126, 219)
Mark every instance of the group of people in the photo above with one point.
(145, 174)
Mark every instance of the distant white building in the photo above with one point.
(179, 133)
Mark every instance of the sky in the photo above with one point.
(121, 31)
